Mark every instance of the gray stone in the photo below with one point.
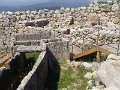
(88, 75)
(115, 7)
(107, 73)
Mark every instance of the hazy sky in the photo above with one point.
(20, 2)
(27, 2)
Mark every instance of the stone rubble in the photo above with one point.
(79, 25)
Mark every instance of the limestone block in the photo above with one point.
(107, 73)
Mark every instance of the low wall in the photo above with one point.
(59, 47)
(37, 76)
(35, 36)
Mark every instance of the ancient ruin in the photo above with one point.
(86, 37)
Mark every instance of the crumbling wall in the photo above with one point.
(57, 49)
(37, 76)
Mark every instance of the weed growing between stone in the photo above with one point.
(70, 78)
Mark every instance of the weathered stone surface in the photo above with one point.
(70, 20)
(90, 84)
(32, 48)
(8, 71)
(112, 88)
(37, 23)
(59, 49)
(108, 71)
(88, 75)
(63, 30)
(1, 43)
(115, 20)
(37, 76)
(113, 57)
(115, 7)
(35, 36)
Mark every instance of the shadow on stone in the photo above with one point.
(53, 72)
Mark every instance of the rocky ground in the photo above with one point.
(83, 27)
(90, 76)
(79, 25)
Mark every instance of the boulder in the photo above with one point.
(115, 20)
(70, 20)
(67, 9)
(23, 17)
(91, 84)
(108, 74)
(115, 7)
(57, 12)
(95, 66)
(93, 19)
(87, 65)
(38, 23)
(64, 30)
(113, 57)
(88, 75)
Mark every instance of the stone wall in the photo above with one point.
(35, 42)
(28, 43)
(60, 49)
(9, 70)
(37, 76)
(56, 49)
(36, 36)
